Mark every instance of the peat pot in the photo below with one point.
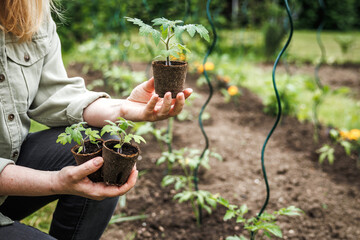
(117, 166)
(169, 78)
(92, 151)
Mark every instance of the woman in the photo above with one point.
(34, 170)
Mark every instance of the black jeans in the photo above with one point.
(74, 217)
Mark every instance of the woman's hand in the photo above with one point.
(144, 105)
(73, 180)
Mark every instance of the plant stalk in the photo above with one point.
(83, 144)
(168, 63)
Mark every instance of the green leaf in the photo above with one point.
(161, 160)
(236, 238)
(290, 211)
(76, 136)
(145, 30)
(211, 202)
(117, 145)
(191, 29)
(272, 228)
(200, 199)
(203, 32)
(183, 196)
(347, 147)
(164, 32)
(80, 149)
(128, 138)
(183, 47)
(138, 139)
(322, 157)
(243, 209)
(161, 21)
(207, 208)
(135, 21)
(331, 156)
(179, 184)
(178, 32)
(167, 180)
(229, 214)
(63, 138)
(156, 36)
(240, 219)
(223, 201)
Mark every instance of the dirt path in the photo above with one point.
(329, 195)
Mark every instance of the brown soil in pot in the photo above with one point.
(169, 78)
(117, 166)
(92, 151)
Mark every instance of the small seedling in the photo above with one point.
(188, 159)
(119, 129)
(266, 223)
(169, 29)
(73, 133)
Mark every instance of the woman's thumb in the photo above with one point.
(90, 166)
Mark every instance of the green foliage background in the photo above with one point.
(84, 19)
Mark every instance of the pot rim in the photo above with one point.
(181, 63)
(86, 154)
(123, 155)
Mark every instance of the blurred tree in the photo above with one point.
(86, 18)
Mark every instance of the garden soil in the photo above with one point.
(329, 195)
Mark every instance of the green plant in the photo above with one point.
(273, 36)
(349, 140)
(188, 160)
(73, 133)
(149, 128)
(169, 29)
(119, 129)
(185, 113)
(267, 222)
(118, 80)
(345, 43)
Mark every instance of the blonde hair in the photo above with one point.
(23, 18)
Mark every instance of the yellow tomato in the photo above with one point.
(233, 90)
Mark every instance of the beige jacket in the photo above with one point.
(34, 85)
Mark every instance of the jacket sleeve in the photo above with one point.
(60, 100)
(4, 162)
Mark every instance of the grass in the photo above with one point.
(42, 218)
(338, 109)
(304, 47)
(35, 127)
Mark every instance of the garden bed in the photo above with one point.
(329, 195)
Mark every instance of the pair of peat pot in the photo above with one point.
(117, 166)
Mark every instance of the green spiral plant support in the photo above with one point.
(278, 115)
(210, 49)
(320, 86)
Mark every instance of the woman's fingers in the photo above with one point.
(130, 182)
(179, 104)
(149, 85)
(187, 92)
(150, 106)
(85, 169)
(101, 190)
(166, 105)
